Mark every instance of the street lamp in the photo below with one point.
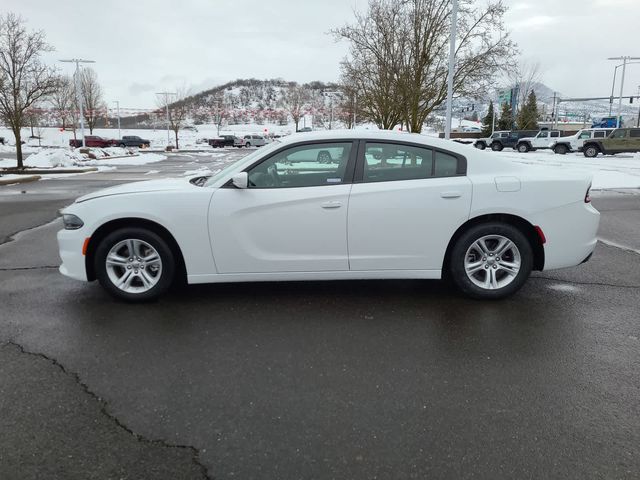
(624, 59)
(331, 95)
(118, 113)
(79, 99)
(452, 60)
(613, 85)
(166, 103)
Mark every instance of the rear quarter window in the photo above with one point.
(635, 133)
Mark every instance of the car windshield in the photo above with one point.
(237, 166)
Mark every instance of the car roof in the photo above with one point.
(382, 135)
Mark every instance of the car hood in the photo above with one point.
(163, 185)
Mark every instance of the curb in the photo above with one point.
(45, 171)
(25, 179)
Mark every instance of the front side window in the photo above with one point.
(543, 134)
(619, 134)
(303, 166)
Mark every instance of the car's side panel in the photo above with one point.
(280, 229)
(405, 224)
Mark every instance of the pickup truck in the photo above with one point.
(483, 143)
(92, 141)
(497, 144)
(226, 141)
(133, 141)
(573, 143)
(542, 140)
(621, 140)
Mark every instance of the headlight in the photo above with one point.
(71, 222)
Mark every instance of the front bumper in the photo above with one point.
(70, 243)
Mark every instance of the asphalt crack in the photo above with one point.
(195, 454)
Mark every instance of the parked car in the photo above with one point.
(483, 143)
(226, 141)
(133, 141)
(92, 141)
(621, 140)
(498, 144)
(392, 205)
(254, 141)
(1, 140)
(544, 139)
(573, 143)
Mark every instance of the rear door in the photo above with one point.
(405, 204)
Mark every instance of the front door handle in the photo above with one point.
(451, 194)
(331, 205)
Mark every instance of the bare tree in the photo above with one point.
(92, 98)
(523, 76)
(63, 101)
(178, 110)
(399, 56)
(295, 99)
(24, 79)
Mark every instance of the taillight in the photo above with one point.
(587, 196)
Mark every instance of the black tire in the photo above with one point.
(247, 144)
(167, 257)
(122, 145)
(591, 151)
(496, 147)
(523, 147)
(481, 145)
(560, 149)
(461, 279)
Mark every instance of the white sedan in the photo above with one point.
(336, 206)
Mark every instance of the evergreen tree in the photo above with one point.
(528, 114)
(487, 121)
(506, 118)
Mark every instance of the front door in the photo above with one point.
(405, 205)
(291, 218)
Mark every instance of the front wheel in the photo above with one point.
(491, 261)
(247, 144)
(134, 264)
(122, 145)
(591, 151)
(481, 145)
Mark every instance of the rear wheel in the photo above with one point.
(591, 151)
(523, 148)
(134, 264)
(496, 147)
(491, 261)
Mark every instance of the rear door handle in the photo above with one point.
(451, 194)
(331, 205)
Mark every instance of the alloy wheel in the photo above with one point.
(492, 262)
(133, 266)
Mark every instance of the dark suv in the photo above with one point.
(621, 140)
(134, 141)
(497, 144)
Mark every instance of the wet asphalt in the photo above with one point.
(377, 379)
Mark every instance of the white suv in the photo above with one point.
(254, 141)
(544, 139)
(573, 143)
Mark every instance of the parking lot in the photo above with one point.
(367, 379)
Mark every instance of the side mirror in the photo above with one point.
(240, 180)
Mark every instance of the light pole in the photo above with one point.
(79, 98)
(331, 95)
(118, 113)
(452, 61)
(624, 59)
(166, 103)
(613, 85)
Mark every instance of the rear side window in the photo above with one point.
(555, 134)
(635, 133)
(600, 134)
(384, 162)
(619, 134)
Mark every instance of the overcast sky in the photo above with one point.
(146, 46)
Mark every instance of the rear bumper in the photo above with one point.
(70, 244)
(571, 233)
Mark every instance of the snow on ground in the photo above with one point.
(49, 158)
(609, 172)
